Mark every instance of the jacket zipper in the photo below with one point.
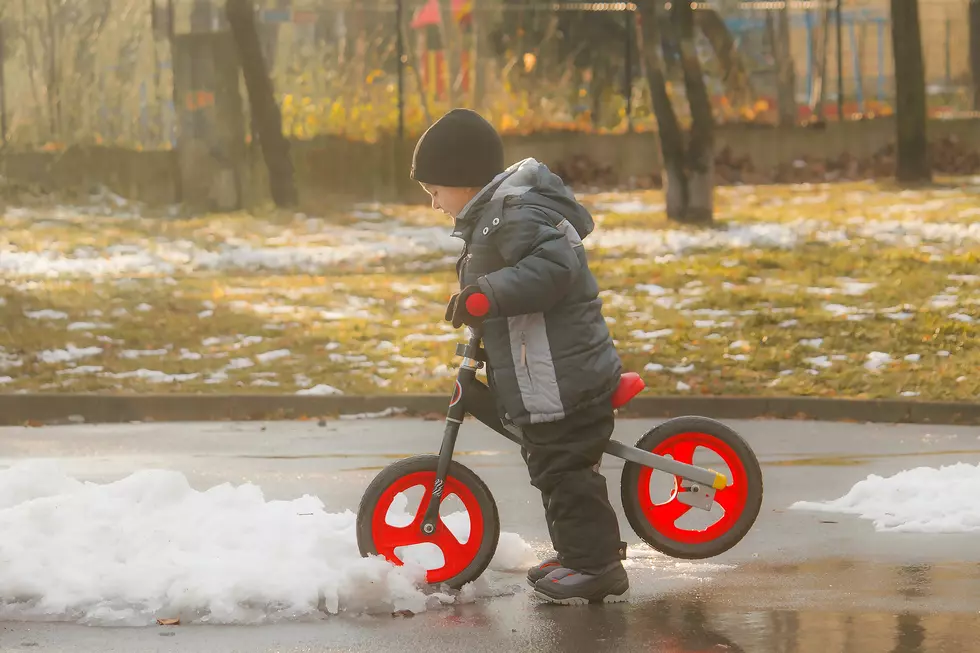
(524, 356)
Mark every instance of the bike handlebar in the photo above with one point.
(477, 304)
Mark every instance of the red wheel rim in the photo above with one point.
(457, 555)
(663, 516)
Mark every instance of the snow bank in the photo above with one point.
(149, 546)
(920, 500)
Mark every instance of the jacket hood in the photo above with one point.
(535, 185)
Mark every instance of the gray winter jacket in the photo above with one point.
(548, 347)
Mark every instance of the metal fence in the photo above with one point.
(99, 71)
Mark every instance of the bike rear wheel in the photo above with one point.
(467, 545)
(658, 523)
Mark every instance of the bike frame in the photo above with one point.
(471, 396)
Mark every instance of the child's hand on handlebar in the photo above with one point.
(469, 307)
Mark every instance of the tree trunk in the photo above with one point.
(975, 50)
(734, 74)
(201, 16)
(701, 144)
(54, 96)
(910, 94)
(31, 56)
(785, 68)
(820, 80)
(478, 51)
(411, 61)
(449, 34)
(265, 112)
(671, 137)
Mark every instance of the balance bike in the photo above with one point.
(669, 447)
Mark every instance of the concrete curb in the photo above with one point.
(38, 409)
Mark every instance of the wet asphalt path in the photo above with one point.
(800, 581)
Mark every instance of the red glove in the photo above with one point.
(470, 308)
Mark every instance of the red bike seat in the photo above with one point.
(630, 385)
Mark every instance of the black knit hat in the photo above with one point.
(461, 149)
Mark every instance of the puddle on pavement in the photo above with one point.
(378, 468)
(689, 625)
(833, 605)
(844, 583)
(861, 459)
(339, 456)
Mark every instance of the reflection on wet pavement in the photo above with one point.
(691, 625)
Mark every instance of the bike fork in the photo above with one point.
(465, 378)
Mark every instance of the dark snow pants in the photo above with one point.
(562, 459)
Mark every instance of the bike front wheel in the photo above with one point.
(463, 543)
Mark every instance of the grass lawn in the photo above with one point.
(851, 290)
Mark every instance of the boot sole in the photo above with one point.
(578, 600)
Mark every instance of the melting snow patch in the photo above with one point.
(387, 412)
(269, 356)
(150, 546)
(9, 360)
(137, 353)
(677, 242)
(82, 369)
(153, 376)
(961, 317)
(652, 289)
(68, 354)
(302, 380)
(906, 502)
(630, 207)
(851, 287)
(265, 383)
(46, 314)
(88, 326)
(877, 360)
(649, 335)
(320, 390)
(944, 301)
(819, 361)
(965, 278)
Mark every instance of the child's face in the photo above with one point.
(449, 199)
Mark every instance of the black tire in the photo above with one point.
(460, 473)
(630, 482)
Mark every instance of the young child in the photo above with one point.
(551, 360)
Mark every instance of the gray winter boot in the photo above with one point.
(569, 587)
(537, 572)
